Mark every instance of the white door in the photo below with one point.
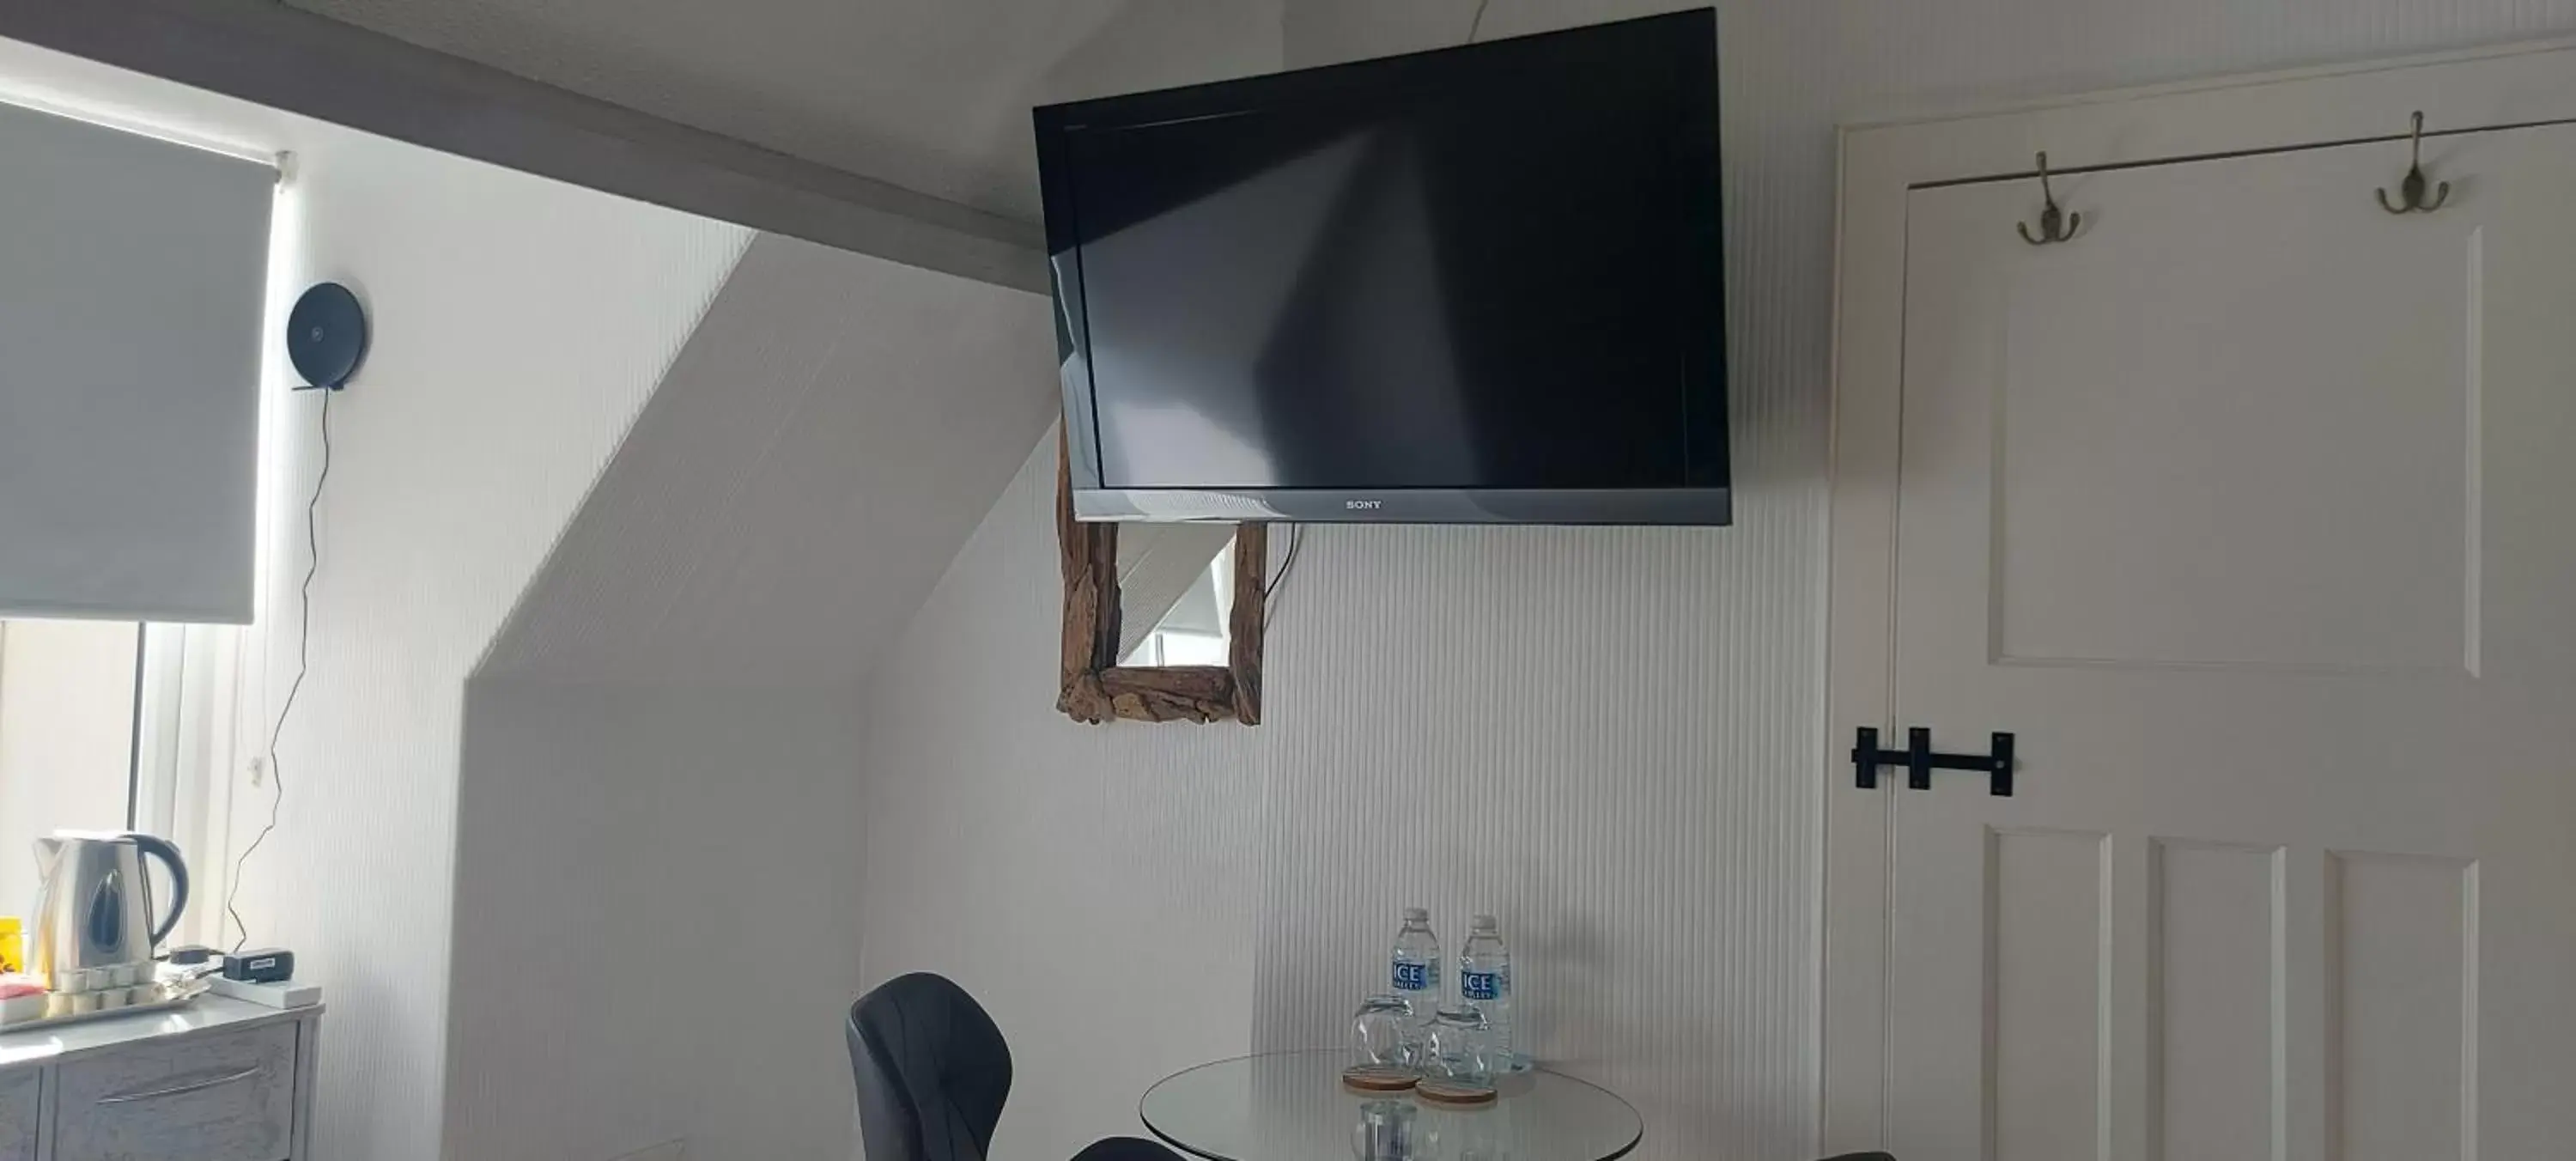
(2251, 513)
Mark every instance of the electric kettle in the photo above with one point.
(94, 911)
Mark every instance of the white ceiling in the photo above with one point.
(932, 95)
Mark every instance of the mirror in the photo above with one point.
(1174, 594)
(1162, 622)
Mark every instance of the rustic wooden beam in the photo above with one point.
(269, 54)
(1077, 553)
(1249, 620)
(1171, 693)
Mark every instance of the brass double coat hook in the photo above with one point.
(2055, 225)
(2412, 190)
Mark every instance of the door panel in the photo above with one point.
(2245, 511)
(2342, 523)
(2402, 983)
(2216, 1011)
(2043, 990)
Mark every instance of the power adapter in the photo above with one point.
(267, 965)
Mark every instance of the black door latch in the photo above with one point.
(1920, 761)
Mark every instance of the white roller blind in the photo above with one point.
(132, 276)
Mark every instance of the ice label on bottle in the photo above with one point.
(1412, 977)
(1480, 985)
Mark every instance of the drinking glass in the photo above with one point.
(1379, 1028)
(1385, 1132)
(1461, 1046)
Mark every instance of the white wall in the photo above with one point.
(66, 740)
(656, 942)
(1514, 720)
(1094, 889)
(1613, 738)
(656, 813)
(519, 325)
(834, 429)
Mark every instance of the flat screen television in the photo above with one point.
(1475, 285)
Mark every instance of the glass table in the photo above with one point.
(1292, 1106)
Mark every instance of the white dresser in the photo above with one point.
(219, 1080)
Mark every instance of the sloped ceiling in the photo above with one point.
(838, 424)
(932, 95)
(831, 434)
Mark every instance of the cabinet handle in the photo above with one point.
(176, 1090)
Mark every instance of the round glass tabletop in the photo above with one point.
(1291, 1106)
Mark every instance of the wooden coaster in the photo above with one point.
(1450, 1092)
(1378, 1077)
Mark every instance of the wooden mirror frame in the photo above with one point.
(1097, 688)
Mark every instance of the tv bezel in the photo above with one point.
(1704, 498)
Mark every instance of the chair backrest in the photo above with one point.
(932, 1071)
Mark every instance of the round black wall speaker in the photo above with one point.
(326, 335)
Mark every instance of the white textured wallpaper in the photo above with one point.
(1611, 738)
(1473, 719)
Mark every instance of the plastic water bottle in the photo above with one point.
(1415, 971)
(1485, 984)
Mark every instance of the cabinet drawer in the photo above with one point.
(213, 1098)
(18, 1110)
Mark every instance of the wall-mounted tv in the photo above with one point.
(1475, 285)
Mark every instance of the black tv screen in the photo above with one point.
(1480, 284)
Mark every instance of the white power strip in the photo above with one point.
(282, 994)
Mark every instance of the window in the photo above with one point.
(66, 737)
(153, 466)
(110, 725)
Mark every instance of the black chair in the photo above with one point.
(933, 1071)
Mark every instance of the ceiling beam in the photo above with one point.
(284, 58)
